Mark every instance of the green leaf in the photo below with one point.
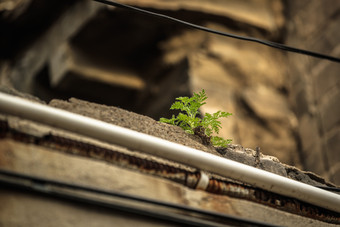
(220, 142)
(169, 121)
(188, 118)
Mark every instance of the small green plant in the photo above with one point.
(188, 119)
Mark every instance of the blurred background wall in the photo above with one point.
(315, 84)
(285, 103)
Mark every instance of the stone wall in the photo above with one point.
(121, 58)
(315, 83)
(141, 63)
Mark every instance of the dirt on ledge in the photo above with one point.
(147, 125)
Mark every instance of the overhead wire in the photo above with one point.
(250, 39)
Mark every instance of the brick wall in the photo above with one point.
(315, 83)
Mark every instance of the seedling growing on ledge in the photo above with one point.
(188, 119)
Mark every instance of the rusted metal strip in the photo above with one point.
(176, 174)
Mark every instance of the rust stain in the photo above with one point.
(176, 174)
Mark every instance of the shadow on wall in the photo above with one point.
(116, 60)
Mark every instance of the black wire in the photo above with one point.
(172, 218)
(333, 189)
(250, 39)
(41, 185)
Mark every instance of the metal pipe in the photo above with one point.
(149, 144)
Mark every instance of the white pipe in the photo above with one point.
(165, 149)
(203, 181)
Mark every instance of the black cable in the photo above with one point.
(333, 189)
(250, 39)
(169, 218)
(42, 185)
